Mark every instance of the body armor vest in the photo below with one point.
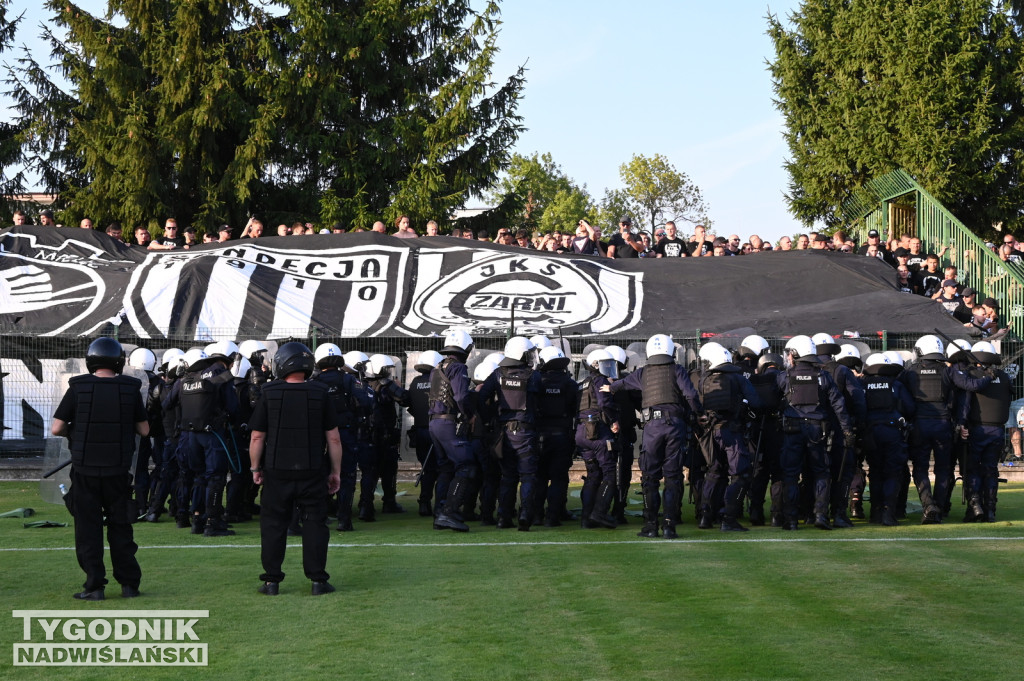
(103, 430)
(803, 386)
(768, 390)
(588, 401)
(991, 405)
(419, 396)
(924, 380)
(658, 385)
(295, 436)
(552, 410)
(339, 392)
(512, 388)
(200, 399)
(879, 394)
(717, 393)
(441, 388)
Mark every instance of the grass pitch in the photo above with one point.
(912, 602)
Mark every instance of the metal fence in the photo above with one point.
(30, 366)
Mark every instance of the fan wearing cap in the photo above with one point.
(555, 433)
(987, 411)
(949, 299)
(875, 239)
(223, 233)
(624, 244)
(100, 414)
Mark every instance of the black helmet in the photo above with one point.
(292, 357)
(770, 359)
(104, 353)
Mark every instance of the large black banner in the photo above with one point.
(70, 281)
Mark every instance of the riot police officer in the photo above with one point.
(419, 433)
(208, 405)
(669, 401)
(167, 482)
(810, 396)
(555, 434)
(386, 437)
(628, 403)
(348, 396)
(987, 412)
(291, 425)
(931, 383)
(450, 407)
(727, 397)
(151, 448)
(517, 388)
(100, 415)
(767, 437)
(749, 353)
(889, 410)
(597, 420)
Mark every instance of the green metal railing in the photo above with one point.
(939, 230)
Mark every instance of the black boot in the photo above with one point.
(449, 517)
(840, 520)
(975, 512)
(757, 516)
(652, 503)
(821, 521)
(857, 508)
(730, 524)
(889, 517)
(990, 505)
(605, 495)
(669, 529)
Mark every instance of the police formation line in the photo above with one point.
(496, 446)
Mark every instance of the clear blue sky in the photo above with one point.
(683, 78)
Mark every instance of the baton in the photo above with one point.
(58, 468)
(423, 466)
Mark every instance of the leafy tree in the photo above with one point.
(930, 86)
(11, 183)
(547, 198)
(654, 193)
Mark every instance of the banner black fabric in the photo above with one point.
(71, 281)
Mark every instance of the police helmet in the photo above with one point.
(802, 347)
(660, 344)
(825, 344)
(171, 360)
(552, 359)
(602, 362)
(380, 367)
(957, 350)
(849, 356)
(895, 357)
(618, 353)
(142, 358)
(241, 368)
(881, 364)
(483, 370)
(752, 346)
(985, 353)
(328, 355)
(356, 359)
(222, 349)
(495, 358)
(104, 353)
(196, 359)
(458, 341)
(770, 359)
(293, 357)
(251, 347)
(428, 360)
(540, 341)
(517, 351)
(714, 355)
(929, 347)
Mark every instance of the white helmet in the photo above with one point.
(540, 341)
(428, 360)
(552, 357)
(714, 355)
(517, 350)
(328, 355)
(457, 340)
(603, 362)
(226, 349)
(483, 370)
(752, 346)
(241, 368)
(848, 356)
(356, 359)
(194, 359)
(801, 346)
(877, 359)
(142, 358)
(825, 344)
(985, 353)
(495, 358)
(955, 348)
(618, 353)
(660, 344)
(929, 347)
(172, 355)
(247, 348)
(381, 367)
(894, 357)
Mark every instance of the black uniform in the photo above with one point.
(295, 418)
(419, 440)
(555, 444)
(102, 413)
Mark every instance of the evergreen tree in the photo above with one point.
(930, 86)
(12, 181)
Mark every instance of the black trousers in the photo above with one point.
(279, 498)
(94, 497)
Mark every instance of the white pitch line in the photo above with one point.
(640, 542)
